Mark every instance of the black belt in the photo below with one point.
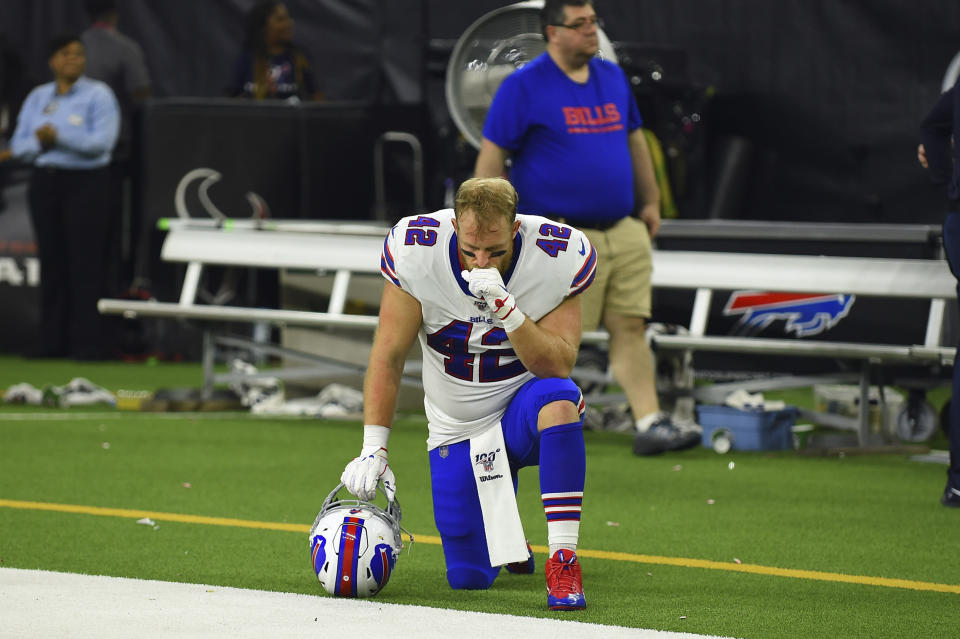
(57, 170)
(594, 225)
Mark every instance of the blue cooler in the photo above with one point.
(750, 429)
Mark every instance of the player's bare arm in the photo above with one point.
(400, 318)
(490, 159)
(645, 181)
(548, 348)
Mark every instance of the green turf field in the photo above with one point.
(791, 545)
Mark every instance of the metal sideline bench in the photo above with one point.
(344, 249)
(707, 272)
(354, 248)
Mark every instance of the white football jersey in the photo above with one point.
(470, 371)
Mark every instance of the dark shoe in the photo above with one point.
(592, 418)
(610, 418)
(46, 352)
(662, 436)
(951, 497)
(87, 354)
(619, 420)
(523, 567)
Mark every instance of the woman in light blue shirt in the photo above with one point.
(67, 130)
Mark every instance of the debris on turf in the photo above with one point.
(79, 391)
(132, 399)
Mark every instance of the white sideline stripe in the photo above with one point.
(63, 415)
(40, 603)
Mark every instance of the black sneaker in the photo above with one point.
(662, 436)
(951, 497)
(523, 567)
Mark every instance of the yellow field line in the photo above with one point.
(682, 562)
(177, 517)
(771, 570)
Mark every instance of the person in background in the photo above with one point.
(494, 299)
(940, 153)
(13, 89)
(271, 66)
(67, 130)
(118, 60)
(571, 125)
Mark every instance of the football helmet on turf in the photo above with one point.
(354, 545)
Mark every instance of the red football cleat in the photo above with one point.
(564, 583)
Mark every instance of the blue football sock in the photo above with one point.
(563, 467)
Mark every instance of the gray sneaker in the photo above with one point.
(619, 419)
(609, 418)
(662, 436)
(592, 418)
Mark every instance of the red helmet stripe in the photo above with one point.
(349, 544)
(386, 566)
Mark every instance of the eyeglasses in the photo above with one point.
(583, 24)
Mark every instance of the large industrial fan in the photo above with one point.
(953, 72)
(492, 48)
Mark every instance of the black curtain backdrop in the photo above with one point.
(361, 49)
(822, 98)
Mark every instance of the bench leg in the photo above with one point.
(209, 349)
(863, 425)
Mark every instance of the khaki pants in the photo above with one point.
(624, 266)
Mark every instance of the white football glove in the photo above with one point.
(487, 284)
(362, 474)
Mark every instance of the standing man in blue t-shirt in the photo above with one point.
(570, 123)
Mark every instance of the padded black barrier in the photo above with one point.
(305, 161)
(19, 269)
(338, 160)
(253, 147)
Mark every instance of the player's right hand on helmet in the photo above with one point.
(361, 475)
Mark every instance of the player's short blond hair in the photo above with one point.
(488, 198)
